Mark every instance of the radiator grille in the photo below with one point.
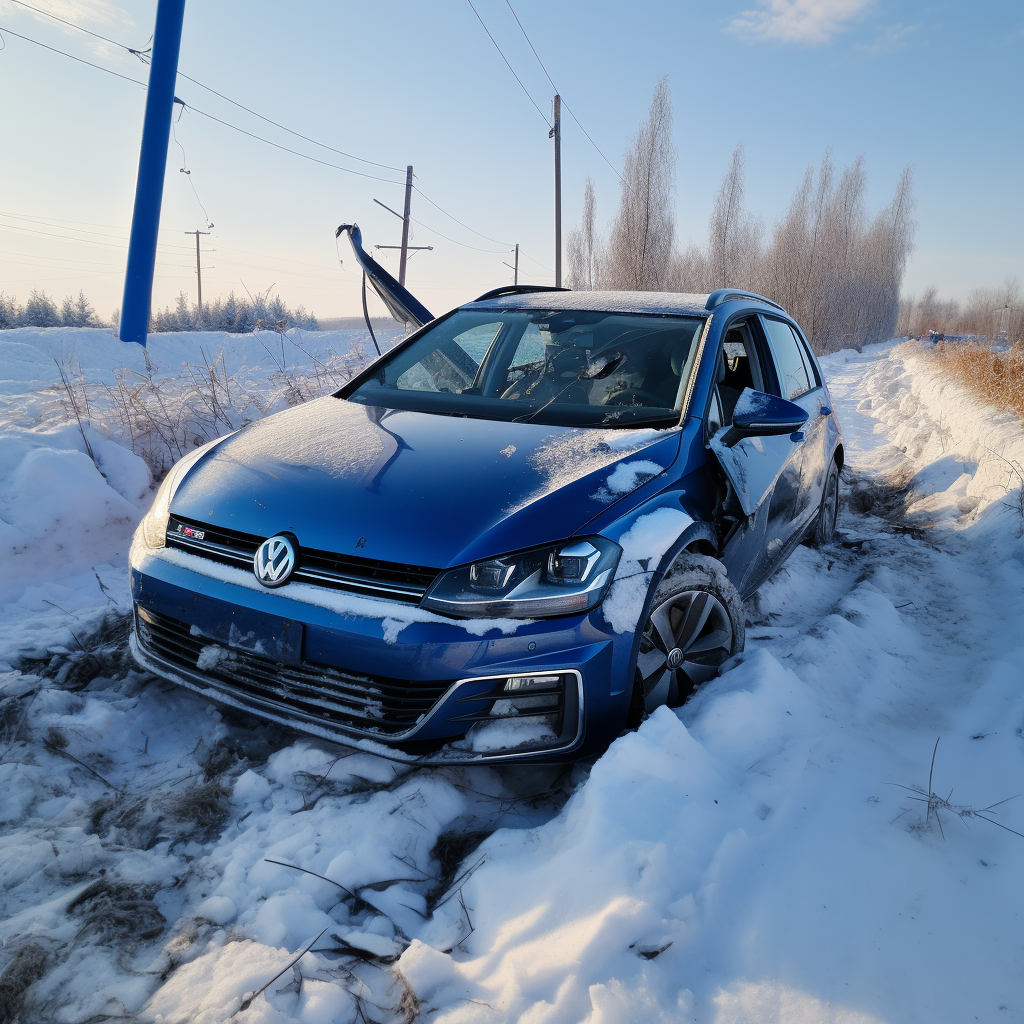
(313, 692)
(392, 580)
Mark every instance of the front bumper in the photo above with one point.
(445, 679)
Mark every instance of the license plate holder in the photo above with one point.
(266, 636)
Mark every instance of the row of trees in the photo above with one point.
(234, 315)
(834, 267)
(985, 313)
(41, 311)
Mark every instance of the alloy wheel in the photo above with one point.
(684, 643)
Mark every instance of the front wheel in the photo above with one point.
(696, 623)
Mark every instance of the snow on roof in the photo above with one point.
(612, 302)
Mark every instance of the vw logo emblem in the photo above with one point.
(274, 561)
(675, 658)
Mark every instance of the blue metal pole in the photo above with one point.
(156, 130)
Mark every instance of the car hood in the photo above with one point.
(413, 487)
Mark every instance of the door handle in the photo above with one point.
(825, 411)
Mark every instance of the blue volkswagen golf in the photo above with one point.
(532, 522)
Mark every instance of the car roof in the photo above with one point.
(611, 302)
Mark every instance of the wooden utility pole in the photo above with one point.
(556, 134)
(405, 247)
(515, 268)
(405, 225)
(199, 269)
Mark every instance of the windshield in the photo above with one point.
(565, 367)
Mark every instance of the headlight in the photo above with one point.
(152, 530)
(565, 579)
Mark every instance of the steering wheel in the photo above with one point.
(627, 398)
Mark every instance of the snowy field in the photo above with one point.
(768, 853)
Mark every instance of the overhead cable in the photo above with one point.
(290, 131)
(505, 59)
(558, 91)
(81, 60)
(143, 55)
(276, 145)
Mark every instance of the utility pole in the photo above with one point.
(199, 269)
(405, 226)
(156, 131)
(405, 247)
(556, 134)
(515, 268)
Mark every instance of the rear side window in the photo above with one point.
(789, 361)
(805, 350)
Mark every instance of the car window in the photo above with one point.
(812, 371)
(714, 413)
(453, 367)
(789, 361)
(573, 366)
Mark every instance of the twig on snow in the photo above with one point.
(247, 1002)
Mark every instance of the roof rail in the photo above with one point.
(519, 289)
(720, 295)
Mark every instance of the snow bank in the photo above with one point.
(754, 856)
(68, 508)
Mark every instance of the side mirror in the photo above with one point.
(759, 415)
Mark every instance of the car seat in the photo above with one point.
(729, 396)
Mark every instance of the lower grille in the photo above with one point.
(370, 704)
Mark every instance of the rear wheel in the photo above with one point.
(825, 525)
(696, 623)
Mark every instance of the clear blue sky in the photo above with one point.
(933, 85)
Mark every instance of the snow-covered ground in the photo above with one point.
(763, 854)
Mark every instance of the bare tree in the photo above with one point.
(734, 236)
(582, 244)
(640, 242)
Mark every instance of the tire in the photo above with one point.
(824, 528)
(696, 623)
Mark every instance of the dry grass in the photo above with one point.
(23, 970)
(994, 376)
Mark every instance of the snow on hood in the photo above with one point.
(413, 487)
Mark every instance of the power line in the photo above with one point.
(57, 222)
(81, 60)
(557, 90)
(465, 245)
(143, 55)
(99, 67)
(505, 59)
(290, 131)
(452, 216)
(286, 149)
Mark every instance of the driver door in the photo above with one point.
(752, 465)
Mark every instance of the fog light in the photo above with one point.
(517, 684)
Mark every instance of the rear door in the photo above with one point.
(797, 493)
